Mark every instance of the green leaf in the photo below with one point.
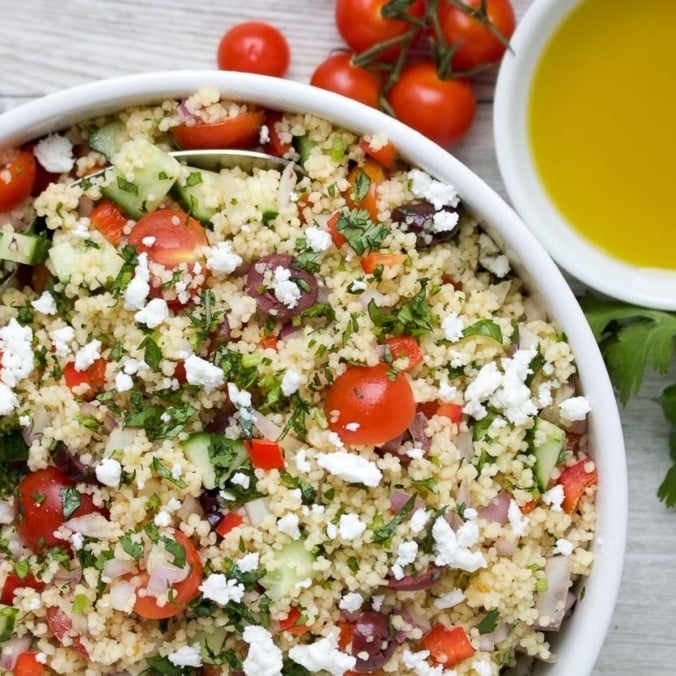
(177, 550)
(385, 533)
(133, 548)
(668, 403)
(152, 354)
(484, 327)
(489, 623)
(413, 317)
(8, 616)
(162, 470)
(362, 234)
(667, 490)
(71, 501)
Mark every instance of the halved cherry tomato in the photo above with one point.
(182, 593)
(229, 522)
(442, 110)
(171, 237)
(29, 664)
(62, 627)
(265, 454)
(48, 498)
(405, 346)
(448, 646)
(362, 24)
(575, 480)
(292, 623)
(386, 154)
(339, 74)
(370, 404)
(336, 235)
(94, 377)
(364, 183)
(370, 262)
(109, 220)
(254, 47)
(477, 43)
(14, 582)
(276, 146)
(242, 131)
(17, 178)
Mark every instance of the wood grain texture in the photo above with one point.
(47, 45)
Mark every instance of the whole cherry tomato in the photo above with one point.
(442, 110)
(181, 593)
(478, 42)
(16, 179)
(254, 47)
(338, 74)
(366, 23)
(47, 499)
(370, 404)
(169, 237)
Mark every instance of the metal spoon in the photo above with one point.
(213, 160)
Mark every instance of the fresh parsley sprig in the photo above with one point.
(633, 338)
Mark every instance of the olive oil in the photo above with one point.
(602, 126)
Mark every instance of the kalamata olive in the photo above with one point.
(273, 298)
(418, 217)
(423, 580)
(70, 464)
(372, 643)
(209, 502)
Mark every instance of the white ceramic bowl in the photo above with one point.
(579, 643)
(575, 254)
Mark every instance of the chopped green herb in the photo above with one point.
(413, 317)
(385, 533)
(484, 327)
(71, 501)
(489, 622)
(163, 471)
(177, 550)
(362, 234)
(131, 546)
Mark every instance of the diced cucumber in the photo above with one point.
(214, 456)
(141, 177)
(196, 449)
(23, 248)
(8, 615)
(200, 193)
(546, 444)
(95, 259)
(107, 139)
(212, 642)
(293, 565)
(304, 147)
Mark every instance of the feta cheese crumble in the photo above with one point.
(87, 355)
(218, 588)
(439, 194)
(263, 658)
(109, 472)
(222, 261)
(350, 467)
(452, 549)
(153, 314)
(286, 291)
(55, 153)
(201, 372)
(186, 656)
(323, 655)
(574, 408)
(45, 304)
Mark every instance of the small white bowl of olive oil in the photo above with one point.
(585, 132)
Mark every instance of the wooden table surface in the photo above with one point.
(47, 45)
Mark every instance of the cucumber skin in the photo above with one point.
(23, 248)
(196, 449)
(546, 451)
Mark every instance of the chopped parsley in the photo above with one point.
(362, 234)
(413, 317)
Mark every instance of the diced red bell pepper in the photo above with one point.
(405, 346)
(265, 454)
(292, 622)
(385, 154)
(94, 377)
(270, 341)
(109, 220)
(14, 582)
(29, 664)
(229, 522)
(371, 261)
(62, 627)
(448, 646)
(451, 410)
(529, 506)
(575, 480)
(276, 146)
(336, 235)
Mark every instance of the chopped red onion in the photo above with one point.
(162, 576)
(256, 511)
(488, 642)
(416, 625)
(551, 604)
(399, 497)
(122, 595)
(465, 444)
(287, 183)
(496, 509)
(417, 431)
(93, 525)
(114, 568)
(11, 650)
(504, 547)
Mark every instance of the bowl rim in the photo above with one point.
(593, 615)
(650, 287)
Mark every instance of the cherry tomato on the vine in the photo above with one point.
(478, 43)
(363, 24)
(442, 110)
(16, 179)
(370, 404)
(254, 47)
(339, 74)
(47, 498)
